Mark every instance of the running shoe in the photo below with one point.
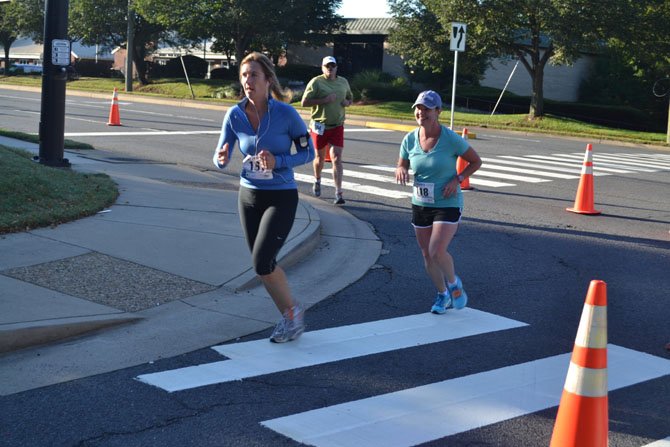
(338, 199)
(316, 189)
(458, 295)
(442, 303)
(288, 328)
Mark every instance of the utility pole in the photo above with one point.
(129, 47)
(54, 76)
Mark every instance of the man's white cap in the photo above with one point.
(328, 60)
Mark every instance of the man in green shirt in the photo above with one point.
(328, 95)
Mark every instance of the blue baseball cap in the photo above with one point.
(428, 98)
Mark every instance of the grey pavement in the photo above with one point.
(162, 272)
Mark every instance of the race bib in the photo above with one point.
(252, 167)
(318, 128)
(424, 192)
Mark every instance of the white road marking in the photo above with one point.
(551, 164)
(261, 357)
(426, 413)
(485, 173)
(660, 443)
(374, 190)
(595, 166)
(612, 162)
(134, 134)
(490, 165)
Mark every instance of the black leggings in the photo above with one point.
(266, 217)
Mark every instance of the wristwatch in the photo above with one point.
(460, 178)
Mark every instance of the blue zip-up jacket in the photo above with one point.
(277, 131)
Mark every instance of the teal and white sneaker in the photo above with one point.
(291, 325)
(442, 303)
(458, 295)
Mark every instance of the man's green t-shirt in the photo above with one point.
(331, 114)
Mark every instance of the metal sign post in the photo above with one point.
(54, 76)
(457, 44)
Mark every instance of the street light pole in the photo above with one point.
(129, 48)
(54, 76)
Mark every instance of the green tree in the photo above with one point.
(536, 32)
(239, 26)
(20, 18)
(105, 23)
(423, 43)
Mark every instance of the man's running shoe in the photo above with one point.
(458, 295)
(316, 189)
(442, 303)
(338, 199)
(289, 328)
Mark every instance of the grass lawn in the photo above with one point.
(34, 195)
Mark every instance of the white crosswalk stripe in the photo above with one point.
(501, 171)
(400, 418)
(260, 357)
(406, 418)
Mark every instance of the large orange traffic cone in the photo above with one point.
(462, 164)
(582, 419)
(584, 197)
(114, 117)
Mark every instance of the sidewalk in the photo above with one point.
(162, 272)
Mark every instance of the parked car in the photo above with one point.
(26, 68)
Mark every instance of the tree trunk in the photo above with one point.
(537, 95)
(139, 53)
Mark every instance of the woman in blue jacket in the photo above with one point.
(266, 128)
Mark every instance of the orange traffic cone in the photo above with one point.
(584, 197)
(462, 164)
(327, 159)
(114, 117)
(582, 419)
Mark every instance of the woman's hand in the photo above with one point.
(267, 159)
(401, 175)
(450, 188)
(223, 155)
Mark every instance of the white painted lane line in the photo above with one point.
(392, 193)
(660, 443)
(490, 165)
(541, 163)
(430, 412)
(473, 180)
(366, 130)
(483, 182)
(261, 357)
(370, 176)
(520, 178)
(636, 160)
(134, 134)
(562, 158)
(599, 160)
(545, 165)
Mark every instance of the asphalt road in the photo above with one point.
(522, 257)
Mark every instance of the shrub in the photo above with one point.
(297, 72)
(229, 91)
(93, 69)
(375, 85)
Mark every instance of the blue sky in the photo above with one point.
(364, 8)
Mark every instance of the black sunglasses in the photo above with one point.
(331, 65)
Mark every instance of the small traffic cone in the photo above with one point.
(114, 117)
(582, 419)
(327, 159)
(462, 164)
(584, 197)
